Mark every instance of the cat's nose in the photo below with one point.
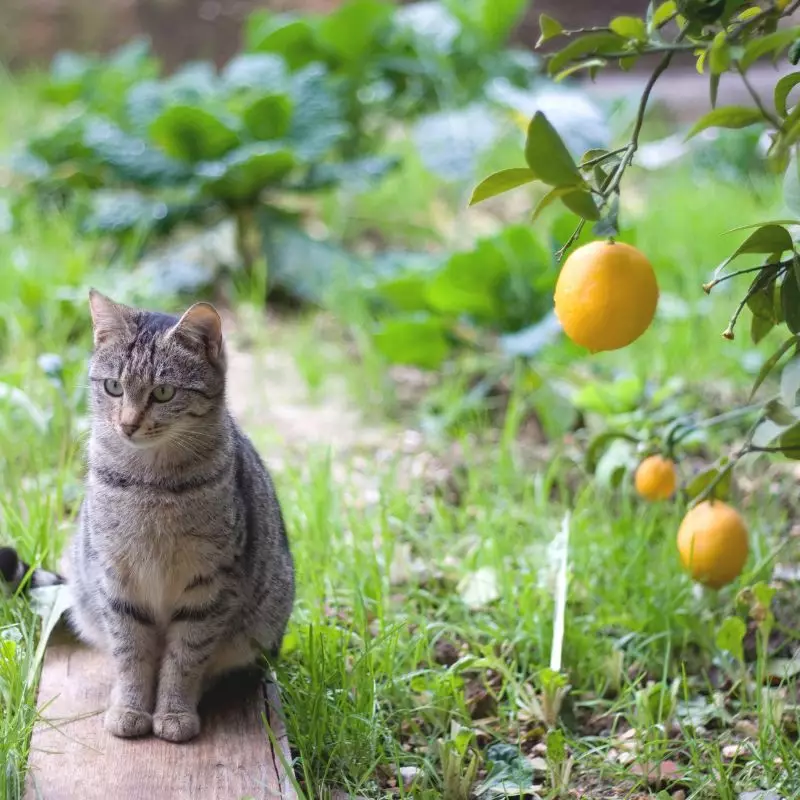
(129, 428)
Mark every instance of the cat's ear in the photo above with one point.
(202, 325)
(109, 319)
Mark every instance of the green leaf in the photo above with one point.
(350, 31)
(549, 28)
(498, 18)
(760, 327)
(790, 382)
(589, 63)
(782, 90)
(547, 155)
(288, 35)
(193, 134)
(713, 88)
(469, 283)
(730, 637)
(556, 748)
(243, 174)
(550, 198)
(417, 340)
(406, 292)
(771, 44)
(582, 203)
(770, 238)
(662, 13)
(726, 117)
(591, 44)
(596, 446)
(700, 482)
(790, 301)
(719, 54)
(268, 117)
(501, 182)
(629, 28)
(789, 442)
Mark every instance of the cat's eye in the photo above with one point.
(112, 387)
(163, 393)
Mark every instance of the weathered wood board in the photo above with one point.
(73, 758)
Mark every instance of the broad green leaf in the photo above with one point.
(469, 283)
(501, 182)
(730, 637)
(582, 203)
(630, 28)
(547, 155)
(549, 28)
(418, 340)
(782, 90)
(406, 292)
(719, 54)
(287, 35)
(243, 174)
(789, 442)
(548, 200)
(780, 414)
(769, 238)
(790, 382)
(591, 44)
(790, 301)
(760, 327)
(268, 117)
(726, 117)
(700, 482)
(596, 446)
(193, 134)
(662, 13)
(762, 224)
(608, 224)
(351, 30)
(772, 44)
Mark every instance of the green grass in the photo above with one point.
(384, 658)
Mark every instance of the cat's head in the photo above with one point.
(155, 376)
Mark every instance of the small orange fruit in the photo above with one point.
(606, 295)
(656, 478)
(712, 542)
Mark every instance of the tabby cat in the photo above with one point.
(180, 567)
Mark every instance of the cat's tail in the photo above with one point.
(13, 570)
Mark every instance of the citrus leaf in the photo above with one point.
(547, 155)
(762, 224)
(501, 182)
(549, 28)
(790, 382)
(548, 200)
(771, 363)
(789, 442)
(769, 238)
(629, 28)
(760, 327)
(700, 482)
(661, 14)
(719, 54)
(592, 44)
(790, 301)
(713, 88)
(582, 203)
(595, 448)
(268, 117)
(782, 90)
(726, 117)
(771, 43)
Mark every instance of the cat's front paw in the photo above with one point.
(176, 726)
(128, 722)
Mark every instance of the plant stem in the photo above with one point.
(707, 287)
(600, 159)
(768, 115)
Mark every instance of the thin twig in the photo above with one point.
(756, 98)
(707, 287)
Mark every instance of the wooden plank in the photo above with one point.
(73, 758)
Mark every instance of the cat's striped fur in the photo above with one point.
(180, 567)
